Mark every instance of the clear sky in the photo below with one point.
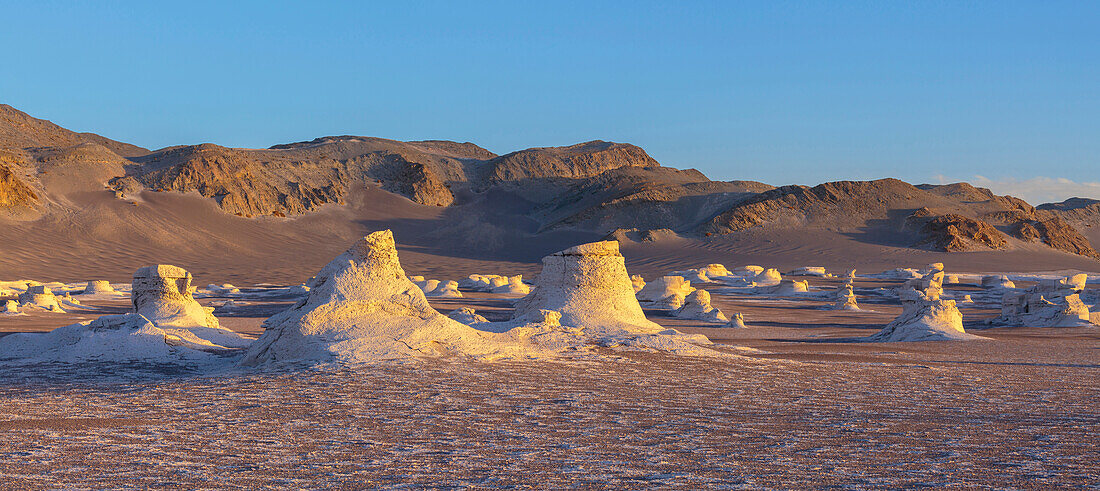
(1003, 94)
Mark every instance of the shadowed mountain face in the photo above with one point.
(291, 203)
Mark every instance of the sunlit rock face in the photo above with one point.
(41, 297)
(98, 286)
(588, 284)
(362, 308)
(164, 295)
(666, 292)
(1051, 303)
(697, 307)
(924, 317)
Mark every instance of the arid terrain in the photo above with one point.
(331, 363)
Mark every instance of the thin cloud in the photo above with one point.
(1036, 190)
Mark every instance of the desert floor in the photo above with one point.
(801, 406)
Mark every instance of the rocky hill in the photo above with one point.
(953, 217)
(460, 199)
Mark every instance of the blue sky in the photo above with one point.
(1002, 93)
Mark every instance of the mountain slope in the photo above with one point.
(278, 213)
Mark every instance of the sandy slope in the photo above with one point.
(106, 238)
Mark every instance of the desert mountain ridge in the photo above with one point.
(88, 194)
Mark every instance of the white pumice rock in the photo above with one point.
(41, 297)
(164, 295)
(589, 287)
(715, 270)
(768, 277)
(588, 284)
(997, 281)
(445, 289)
(786, 286)
(362, 308)
(98, 287)
(737, 322)
(697, 307)
(809, 271)
(468, 316)
(1050, 303)
(512, 285)
(693, 275)
(931, 283)
(748, 270)
(666, 292)
(845, 298)
(924, 317)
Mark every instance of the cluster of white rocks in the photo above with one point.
(167, 326)
(999, 281)
(39, 297)
(437, 288)
(1050, 303)
(362, 308)
(845, 297)
(697, 307)
(506, 285)
(925, 316)
(666, 292)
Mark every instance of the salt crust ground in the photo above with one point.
(795, 411)
(904, 419)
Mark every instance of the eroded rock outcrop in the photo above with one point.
(1051, 303)
(997, 281)
(40, 296)
(1057, 233)
(924, 317)
(588, 284)
(845, 298)
(697, 307)
(164, 295)
(666, 292)
(98, 287)
(468, 316)
(362, 308)
(953, 233)
(14, 193)
(737, 322)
